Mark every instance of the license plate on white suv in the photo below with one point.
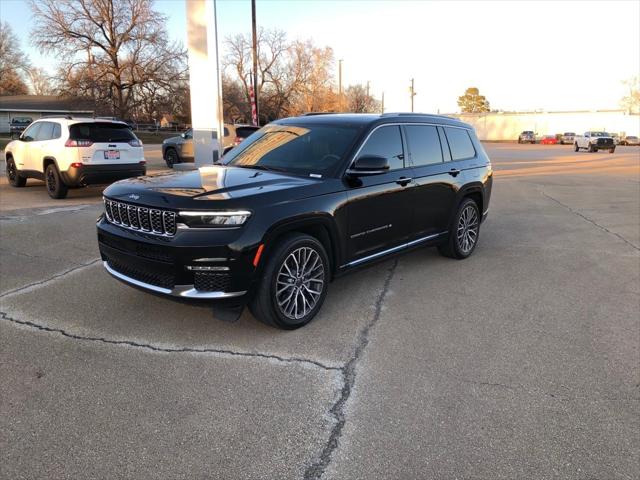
(112, 155)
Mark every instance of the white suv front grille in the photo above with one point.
(151, 220)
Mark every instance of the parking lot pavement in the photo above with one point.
(519, 362)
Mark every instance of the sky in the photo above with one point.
(570, 55)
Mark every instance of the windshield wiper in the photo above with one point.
(260, 167)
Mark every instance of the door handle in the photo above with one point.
(454, 172)
(404, 181)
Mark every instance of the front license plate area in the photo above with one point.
(112, 155)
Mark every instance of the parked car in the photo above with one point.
(567, 138)
(17, 126)
(528, 136)
(630, 140)
(180, 149)
(594, 141)
(298, 203)
(71, 152)
(549, 140)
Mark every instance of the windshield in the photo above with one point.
(599, 134)
(316, 150)
(569, 134)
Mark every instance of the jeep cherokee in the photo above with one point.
(298, 203)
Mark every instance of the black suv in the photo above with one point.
(298, 203)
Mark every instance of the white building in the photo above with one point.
(508, 125)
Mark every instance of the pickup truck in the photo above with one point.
(594, 141)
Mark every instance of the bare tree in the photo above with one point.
(41, 83)
(631, 102)
(13, 63)
(358, 101)
(110, 49)
(292, 77)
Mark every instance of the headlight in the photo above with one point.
(213, 219)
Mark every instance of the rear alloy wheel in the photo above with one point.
(56, 188)
(294, 283)
(171, 157)
(464, 231)
(15, 180)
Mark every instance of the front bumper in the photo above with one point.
(161, 265)
(102, 174)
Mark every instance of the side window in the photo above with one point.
(45, 132)
(57, 131)
(386, 142)
(459, 143)
(226, 132)
(424, 144)
(30, 133)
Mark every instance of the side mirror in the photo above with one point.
(369, 165)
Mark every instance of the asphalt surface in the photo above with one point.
(519, 362)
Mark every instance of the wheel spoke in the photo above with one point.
(299, 283)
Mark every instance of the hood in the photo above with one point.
(232, 185)
(175, 139)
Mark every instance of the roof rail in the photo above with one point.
(310, 114)
(411, 114)
(66, 117)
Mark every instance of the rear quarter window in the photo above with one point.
(101, 132)
(459, 143)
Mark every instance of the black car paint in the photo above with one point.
(356, 218)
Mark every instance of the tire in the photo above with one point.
(56, 188)
(592, 149)
(271, 306)
(533, 143)
(171, 157)
(576, 148)
(462, 240)
(612, 150)
(13, 174)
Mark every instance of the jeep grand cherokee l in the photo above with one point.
(298, 203)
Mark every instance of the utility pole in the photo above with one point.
(255, 59)
(382, 103)
(368, 88)
(412, 93)
(340, 85)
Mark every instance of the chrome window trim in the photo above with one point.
(396, 124)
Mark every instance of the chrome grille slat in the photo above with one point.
(155, 221)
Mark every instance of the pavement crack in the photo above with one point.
(590, 220)
(165, 349)
(316, 470)
(29, 286)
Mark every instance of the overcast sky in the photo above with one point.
(521, 55)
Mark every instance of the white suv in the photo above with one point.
(69, 152)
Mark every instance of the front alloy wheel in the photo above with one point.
(15, 180)
(293, 283)
(299, 283)
(171, 157)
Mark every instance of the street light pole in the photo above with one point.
(382, 103)
(412, 93)
(255, 59)
(340, 85)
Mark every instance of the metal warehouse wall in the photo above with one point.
(507, 126)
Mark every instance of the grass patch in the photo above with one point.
(150, 138)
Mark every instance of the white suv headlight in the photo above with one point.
(213, 219)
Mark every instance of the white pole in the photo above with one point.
(204, 80)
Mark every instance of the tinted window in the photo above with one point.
(306, 150)
(459, 143)
(244, 132)
(386, 142)
(445, 145)
(45, 132)
(101, 132)
(31, 132)
(424, 144)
